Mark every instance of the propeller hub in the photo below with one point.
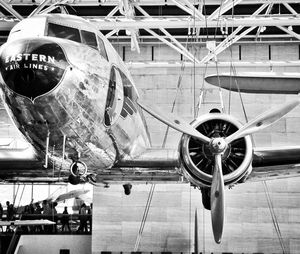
(218, 145)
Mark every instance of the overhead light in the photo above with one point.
(290, 28)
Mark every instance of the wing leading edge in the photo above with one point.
(270, 163)
(257, 82)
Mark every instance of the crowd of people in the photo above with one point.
(64, 222)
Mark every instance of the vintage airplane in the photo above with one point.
(71, 96)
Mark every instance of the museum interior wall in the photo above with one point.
(169, 227)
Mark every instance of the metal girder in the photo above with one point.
(113, 12)
(189, 8)
(227, 5)
(290, 32)
(290, 9)
(193, 59)
(39, 8)
(178, 64)
(126, 8)
(53, 6)
(221, 48)
(8, 7)
(157, 23)
(233, 37)
(111, 33)
(167, 23)
(260, 29)
(149, 2)
(185, 51)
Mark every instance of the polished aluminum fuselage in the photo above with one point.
(75, 109)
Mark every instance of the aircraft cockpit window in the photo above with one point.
(63, 32)
(102, 48)
(89, 39)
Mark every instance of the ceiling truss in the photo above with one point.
(192, 16)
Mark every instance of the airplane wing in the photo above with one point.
(275, 163)
(257, 82)
(153, 165)
(22, 164)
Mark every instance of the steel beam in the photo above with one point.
(53, 6)
(184, 49)
(178, 64)
(268, 10)
(190, 9)
(290, 32)
(168, 23)
(111, 33)
(8, 7)
(227, 5)
(290, 9)
(39, 8)
(172, 45)
(113, 12)
(233, 37)
(153, 2)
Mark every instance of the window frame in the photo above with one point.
(68, 27)
(102, 52)
(82, 40)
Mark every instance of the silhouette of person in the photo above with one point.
(83, 219)
(1, 211)
(10, 211)
(65, 220)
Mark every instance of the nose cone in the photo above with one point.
(32, 68)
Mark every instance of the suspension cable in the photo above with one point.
(143, 221)
(178, 88)
(274, 218)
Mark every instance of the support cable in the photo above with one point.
(143, 222)
(178, 88)
(202, 93)
(190, 218)
(274, 218)
(216, 61)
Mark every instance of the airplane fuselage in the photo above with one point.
(72, 94)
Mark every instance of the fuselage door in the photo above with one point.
(115, 98)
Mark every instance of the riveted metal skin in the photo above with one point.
(73, 104)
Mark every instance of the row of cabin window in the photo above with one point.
(81, 36)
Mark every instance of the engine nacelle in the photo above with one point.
(198, 158)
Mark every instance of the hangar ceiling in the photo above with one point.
(172, 21)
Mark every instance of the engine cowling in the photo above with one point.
(198, 158)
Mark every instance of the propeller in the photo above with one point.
(174, 122)
(218, 146)
(262, 121)
(217, 197)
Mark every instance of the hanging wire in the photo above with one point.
(178, 89)
(145, 215)
(190, 218)
(202, 93)
(216, 61)
(152, 189)
(274, 218)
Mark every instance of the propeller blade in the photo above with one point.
(174, 122)
(262, 121)
(217, 200)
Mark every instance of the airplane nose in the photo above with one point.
(33, 67)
